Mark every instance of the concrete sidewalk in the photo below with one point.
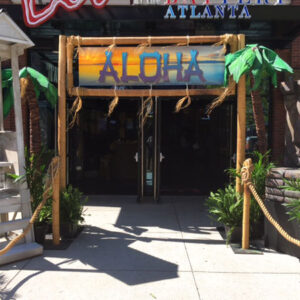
(167, 251)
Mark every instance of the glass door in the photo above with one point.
(149, 151)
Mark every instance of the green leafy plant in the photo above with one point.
(226, 206)
(262, 166)
(35, 172)
(257, 62)
(294, 205)
(71, 205)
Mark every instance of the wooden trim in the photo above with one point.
(83, 92)
(62, 111)
(241, 120)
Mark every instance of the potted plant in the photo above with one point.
(226, 207)
(35, 171)
(71, 211)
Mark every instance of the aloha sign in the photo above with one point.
(169, 65)
(34, 17)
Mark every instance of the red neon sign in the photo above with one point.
(34, 17)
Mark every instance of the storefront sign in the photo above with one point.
(172, 65)
(174, 9)
(34, 17)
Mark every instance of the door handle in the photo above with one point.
(161, 157)
(136, 157)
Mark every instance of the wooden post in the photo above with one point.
(55, 210)
(246, 205)
(241, 120)
(62, 122)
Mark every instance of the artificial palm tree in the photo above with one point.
(32, 84)
(257, 62)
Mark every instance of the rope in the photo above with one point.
(219, 100)
(180, 102)
(246, 178)
(113, 104)
(52, 170)
(76, 107)
(112, 46)
(146, 107)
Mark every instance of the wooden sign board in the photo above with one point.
(138, 66)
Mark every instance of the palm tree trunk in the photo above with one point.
(258, 115)
(28, 93)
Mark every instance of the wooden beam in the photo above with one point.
(154, 40)
(70, 77)
(241, 120)
(62, 111)
(84, 92)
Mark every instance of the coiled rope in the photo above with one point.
(246, 172)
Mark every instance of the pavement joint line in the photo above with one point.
(187, 254)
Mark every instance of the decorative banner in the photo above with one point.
(171, 65)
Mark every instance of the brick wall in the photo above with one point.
(296, 53)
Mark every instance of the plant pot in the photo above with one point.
(257, 231)
(40, 231)
(68, 230)
(236, 236)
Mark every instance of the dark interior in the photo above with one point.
(196, 148)
(102, 150)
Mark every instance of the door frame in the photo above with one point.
(68, 47)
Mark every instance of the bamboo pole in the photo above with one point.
(85, 92)
(246, 205)
(62, 120)
(55, 211)
(163, 40)
(241, 120)
(70, 50)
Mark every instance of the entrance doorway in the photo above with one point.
(197, 148)
(172, 153)
(102, 150)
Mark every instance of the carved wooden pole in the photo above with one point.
(241, 120)
(246, 177)
(62, 122)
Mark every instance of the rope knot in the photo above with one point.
(246, 171)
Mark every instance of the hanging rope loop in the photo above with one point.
(146, 108)
(76, 107)
(220, 99)
(113, 104)
(112, 46)
(180, 104)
